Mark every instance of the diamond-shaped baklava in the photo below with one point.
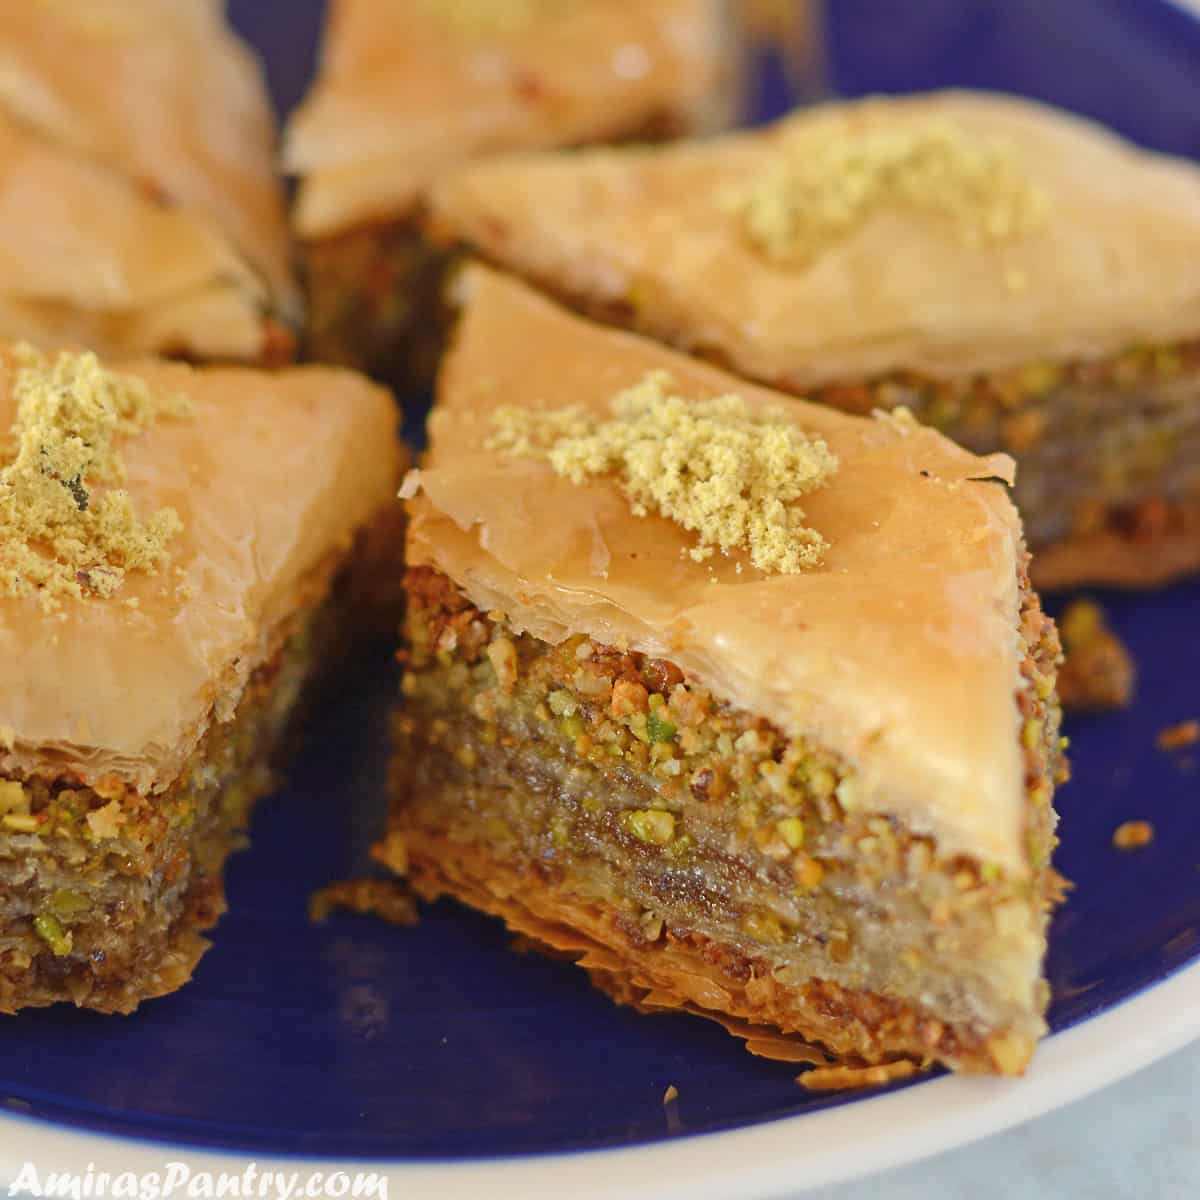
(745, 700)
(177, 548)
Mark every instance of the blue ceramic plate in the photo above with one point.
(359, 1040)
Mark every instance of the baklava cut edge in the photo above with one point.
(106, 889)
(691, 855)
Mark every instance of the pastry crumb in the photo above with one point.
(1133, 835)
(59, 536)
(1178, 737)
(827, 181)
(1098, 671)
(388, 899)
(714, 467)
(839, 1078)
(671, 1108)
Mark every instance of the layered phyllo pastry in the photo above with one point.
(744, 701)
(1017, 277)
(177, 546)
(409, 88)
(140, 208)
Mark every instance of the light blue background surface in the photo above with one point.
(1136, 1140)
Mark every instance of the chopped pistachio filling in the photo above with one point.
(104, 885)
(49, 928)
(716, 467)
(59, 537)
(1127, 426)
(826, 182)
(653, 825)
(744, 845)
(782, 803)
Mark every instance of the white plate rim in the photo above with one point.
(765, 1161)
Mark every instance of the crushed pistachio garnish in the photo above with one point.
(59, 537)
(488, 18)
(715, 467)
(825, 183)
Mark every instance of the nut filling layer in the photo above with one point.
(604, 790)
(105, 891)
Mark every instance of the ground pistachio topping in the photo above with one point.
(486, 18)
(825, 182)
(716, 467)
(59, 537)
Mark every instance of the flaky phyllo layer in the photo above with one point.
(608, 791)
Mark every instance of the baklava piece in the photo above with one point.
(139, 205)
(409, 88)
(1019, 278)
(177, 546)
(746, 700)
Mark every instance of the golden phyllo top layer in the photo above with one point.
(944, 234)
